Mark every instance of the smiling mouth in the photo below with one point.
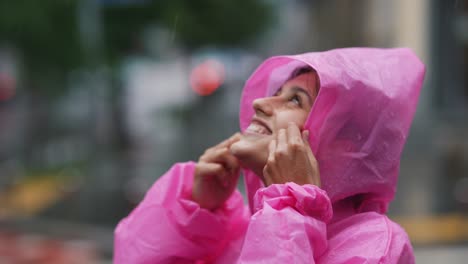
(257, 127)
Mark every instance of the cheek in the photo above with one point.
(297, 117)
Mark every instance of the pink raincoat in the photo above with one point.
(358, 126)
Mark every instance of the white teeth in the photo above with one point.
(256, 128)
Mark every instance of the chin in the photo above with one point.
(252, 151)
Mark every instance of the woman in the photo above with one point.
(322, 134)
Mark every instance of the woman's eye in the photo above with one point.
(296, 99)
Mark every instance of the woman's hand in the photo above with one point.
(216, 175)
(291, 159)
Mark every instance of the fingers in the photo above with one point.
(271, 148)
(209, 169)
(294, 136)
(227, 179)
(311, 156)
(228, 142)
(223, 156)
(267, 170)
(282, 143)
(305, 139)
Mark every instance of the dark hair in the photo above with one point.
(304, 70)
(300, 71)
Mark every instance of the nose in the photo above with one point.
(263, 106)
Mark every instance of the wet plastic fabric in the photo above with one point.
(358, 126)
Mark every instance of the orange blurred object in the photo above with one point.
(207, 77)
(17, 247)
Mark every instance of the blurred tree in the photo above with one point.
(193, 23)
(47, 35)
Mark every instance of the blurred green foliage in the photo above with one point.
(44, 32)
(47, 36)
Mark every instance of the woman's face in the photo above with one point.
(291, 103)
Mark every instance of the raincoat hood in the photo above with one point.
(359, 121)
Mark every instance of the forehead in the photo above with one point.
(307, 81)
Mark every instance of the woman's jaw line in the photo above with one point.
(252, 152)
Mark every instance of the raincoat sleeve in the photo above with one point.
(289, 225)
(167, 227)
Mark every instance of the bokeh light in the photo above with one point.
(207, 76)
